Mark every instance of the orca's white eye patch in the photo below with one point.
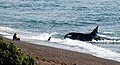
(69, 35)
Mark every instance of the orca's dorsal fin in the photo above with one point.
(95, 30)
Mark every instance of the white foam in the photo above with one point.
(108, 32)
(92, 49)
(4, 33)
(102, 35)
(89, 48)
(6, 29)
(9, 30)
(107, 41)
(108, 36)
(43, 36)
(68, 44)
(56, 40)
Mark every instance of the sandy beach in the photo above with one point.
(45, 55)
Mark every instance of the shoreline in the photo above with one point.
(46, 55)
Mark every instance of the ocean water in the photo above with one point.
(36, 20)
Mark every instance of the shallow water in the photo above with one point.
(36, 20)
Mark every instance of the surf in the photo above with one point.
(58, 41)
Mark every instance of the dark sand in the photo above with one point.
(45, 55)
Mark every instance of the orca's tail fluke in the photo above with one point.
(95, 30)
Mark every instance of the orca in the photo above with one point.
(82, 36)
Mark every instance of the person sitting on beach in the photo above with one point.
(16, 37)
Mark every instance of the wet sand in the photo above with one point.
(45, 55)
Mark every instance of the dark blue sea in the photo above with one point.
(37, 20)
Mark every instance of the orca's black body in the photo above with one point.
(82, 36)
